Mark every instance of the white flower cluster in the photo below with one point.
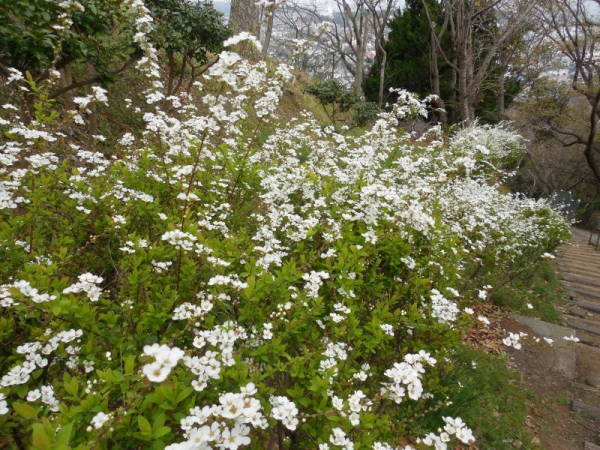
(225, 425)
(165, 359)
(35, 353)
(208, 366)
(161, 266)
(187, 311)
(3, 404)
(453, 427)
(88, 283)
(180, 239)
(98, 95)
(99, 420)
(25, 288)
(442, 309)
(341, 311)
(314, 280)
(406, 377)
(514, 340)
(356, 403)
(339, 439)
(46, 394)
(387, 329)
(241, 37)
(334, 352)
(285, 411)
(228, 280)
(148, 64)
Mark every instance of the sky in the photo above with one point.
(223, 5)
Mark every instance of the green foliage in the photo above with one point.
(36, 35)
(333, 93)
(188, 28)
(365, 112)
(500, 405)
(535, 291)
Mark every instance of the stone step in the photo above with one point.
(589, 326)
(583, 266)
(588, 363)
(569, 273)
(581, 248)
(589, 250)
(588, 339)
(582, 280)
(579, 406)
(582, 313)
(588, 293)
(579, 292)
(581, 261)
(561, 355)
(590, 306)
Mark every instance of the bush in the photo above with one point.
(365, 112)
(194, 287)
(335, 94)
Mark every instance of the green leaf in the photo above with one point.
(40, 439)
(129, 364)
(183, 394)
(144, 425)
(64, 436)
(161, 431)
(71, 386)
(25, 410)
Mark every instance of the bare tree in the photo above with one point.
(348, 34)
(381, 11)
(575, 34)
(298, 30)
(267, 18)
(476, 42)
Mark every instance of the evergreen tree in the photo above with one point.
(409, 63)
(408, 48)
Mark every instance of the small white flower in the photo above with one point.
(99, 420)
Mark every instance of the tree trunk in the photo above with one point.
(360, 61)
(171, 72)
(463, 98)
(93, 119)
(501, 92)
(67, 80)
(243, 16)
(435, 80)
(383, 63)
(268, 32)
(453, 93)
(590, 149)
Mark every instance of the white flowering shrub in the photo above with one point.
(222, 280)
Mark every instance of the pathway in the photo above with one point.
(565, 377)
(579, 267)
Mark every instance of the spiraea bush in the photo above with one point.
(194, 286)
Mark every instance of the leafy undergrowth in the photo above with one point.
(534, 292)
(490, 399)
